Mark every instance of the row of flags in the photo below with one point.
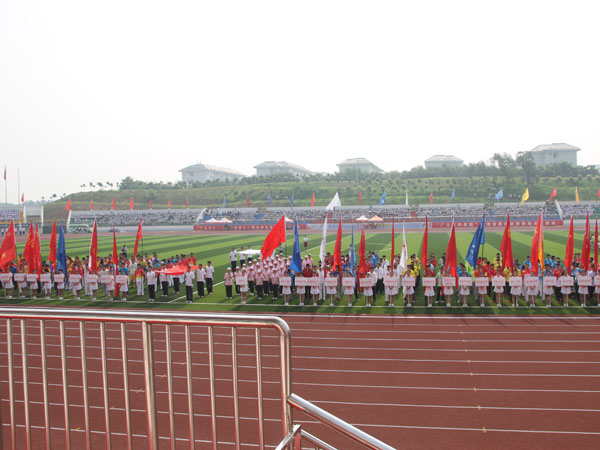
(277, 236)
(382, 200)
(57, 253)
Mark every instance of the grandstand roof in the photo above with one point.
(282, 165)
(210, 168)
(556, 147)
(444, 158)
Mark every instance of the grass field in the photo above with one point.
(216, 248)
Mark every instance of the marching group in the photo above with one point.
(316, 282)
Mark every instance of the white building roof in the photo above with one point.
(444, 158)
(282, 165)
(357, 161)
(212, 169)
(556, 147)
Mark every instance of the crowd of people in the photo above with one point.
(132, 217)
(490, 281)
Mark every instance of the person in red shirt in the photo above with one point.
(307, 272)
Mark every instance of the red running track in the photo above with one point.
(412, 381)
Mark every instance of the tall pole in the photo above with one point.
(19, 195)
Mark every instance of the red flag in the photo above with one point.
(52, 246)
(585, 249)
(23, 197)
(93, 263)
(393, 243)
(431, 198)
(312, 203)
(29, 250)
(8, 250)
(114, 204)
(337, 252)
(506, 246)
(38, 252)
(248, 200)
(451, 253)
(360, 197)
(138, 236)
(536, 243)
(4, 173)
(169, 203)
(598, 193)
(362, 252)
(425, 242)
(150, 203)
(131, 205)
(552, 195)
(596, 248)
(91, 204)
(115, 251)
(569, 250)
(68, 206)
(275, 237)
(187, 201)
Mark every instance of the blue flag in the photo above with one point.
(224, 201)
(61, 251)
(296, 264)
(499, 195)
(452, 196)
(352, 254)
(382, 199)
(269, 199)
(478, 240)
(292, 200)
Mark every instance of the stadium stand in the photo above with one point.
(132, 217)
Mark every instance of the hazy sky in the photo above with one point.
(96, 91)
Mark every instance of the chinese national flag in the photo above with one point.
(337, 252)
(275, 237)
(598, 193)
(114, 204)
(451, 253)
(138, 236)
(312, 203)
(131, 205)
(506, 246)
(425, 241)
(362, 252)
(29, 250)
(552, 195)
(360, 197)
(93, 262)
(187, 201)
(91, 204)
(585, 249)
(569, 250)
(68, 206)
(38, 252)
(248, 200)
(150, 203)
(169, 203)
(52, 245)
(431, 198)
(8, 250)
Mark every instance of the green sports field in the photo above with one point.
(216, 248)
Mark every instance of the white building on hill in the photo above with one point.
(204, 172)
(272, 167)
(555, 153)
(443, 161)
(361, 164)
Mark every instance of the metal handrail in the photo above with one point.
(337, 424)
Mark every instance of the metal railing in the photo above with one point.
(95, 324)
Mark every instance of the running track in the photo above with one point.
(414, 382)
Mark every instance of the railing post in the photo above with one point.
(149, 385)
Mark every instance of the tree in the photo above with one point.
(525, 161)
(505, 163)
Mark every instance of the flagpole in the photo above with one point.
(19, 196)
(5, 188)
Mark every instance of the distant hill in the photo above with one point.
(467, 190)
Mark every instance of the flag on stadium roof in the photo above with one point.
(292, 200)
(312, 202)
(431, 198)
(382, 199)
(499, 195)
(269, 199)
(335, 201)
(525, 196)
(452, 196)
(360, 196)
(552, 195)
(576, 194)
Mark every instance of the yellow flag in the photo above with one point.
(525, 196)
(576, 195)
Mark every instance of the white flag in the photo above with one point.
(323, 242)
(404, 254)
(406, 201)
(335, 201)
